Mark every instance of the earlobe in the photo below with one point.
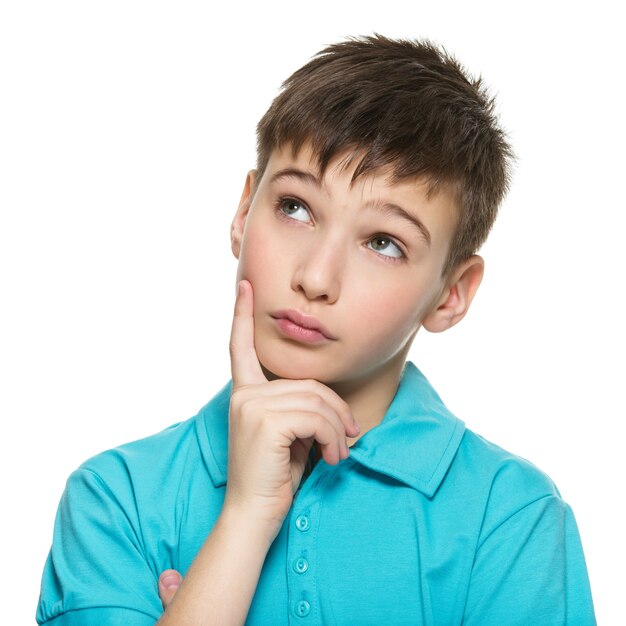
(239, 221)
(457, 297)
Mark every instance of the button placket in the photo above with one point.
(301, 547)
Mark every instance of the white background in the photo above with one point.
(126, 132)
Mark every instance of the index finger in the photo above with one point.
(244, 363)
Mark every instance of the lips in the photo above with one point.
(305, 327)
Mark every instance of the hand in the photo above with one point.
(273, 424)
(169, 582)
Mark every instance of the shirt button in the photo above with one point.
(300, 565)
(302, 608)
(303, 523)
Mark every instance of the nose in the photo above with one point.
(319, 270)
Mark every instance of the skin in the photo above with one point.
(318, 245)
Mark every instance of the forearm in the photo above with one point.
(220, 584)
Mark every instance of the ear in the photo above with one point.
(239, 221)
(456, 298)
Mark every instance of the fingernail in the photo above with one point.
(239, 289)
(357, 428)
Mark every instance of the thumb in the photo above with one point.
(169, 582)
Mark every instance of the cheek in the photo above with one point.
(395, 323)
(254, 260)
(389, 318)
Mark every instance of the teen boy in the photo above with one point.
(328, 483)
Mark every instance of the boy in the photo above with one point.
(327, 483)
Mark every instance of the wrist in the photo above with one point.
(249, 521)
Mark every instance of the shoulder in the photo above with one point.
(181, 449)
(501, 484)
(496, 465)
(142, 469)
(145, 453)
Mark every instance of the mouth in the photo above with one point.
(300, 327)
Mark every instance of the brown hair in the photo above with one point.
(403, 104)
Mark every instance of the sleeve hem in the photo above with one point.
(96, 616)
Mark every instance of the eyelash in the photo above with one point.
(284, 200)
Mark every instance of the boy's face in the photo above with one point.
(364, 262)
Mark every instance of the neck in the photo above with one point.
(369, 397)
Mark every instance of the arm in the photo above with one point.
(220, 584)
(97, 571)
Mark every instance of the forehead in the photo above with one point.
(342, 166)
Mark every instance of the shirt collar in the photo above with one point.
(415, 442)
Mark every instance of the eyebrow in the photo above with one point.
(292, 172)
(387, 208)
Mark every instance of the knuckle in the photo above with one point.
(235, 402)
(236, 397)
(315, 400)
(240, 401)
(311, 385)
(231, 347)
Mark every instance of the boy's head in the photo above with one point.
(380, 169)
(404, 105)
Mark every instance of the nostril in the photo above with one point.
(317, 278)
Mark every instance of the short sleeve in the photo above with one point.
(531, 570)
(96, 572)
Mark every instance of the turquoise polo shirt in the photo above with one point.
(425, 523)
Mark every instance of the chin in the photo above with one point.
(285, 364)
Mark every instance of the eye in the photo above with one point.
(386, 246)
(294, 209)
